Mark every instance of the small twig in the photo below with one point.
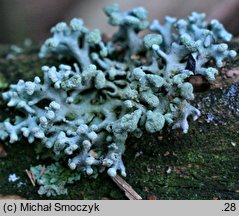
(42, 170)
(11, 197)
(129, 191)
(31, 177)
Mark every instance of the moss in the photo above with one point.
(3, 82)
(203, 163)
(21, 156)
(201, 168)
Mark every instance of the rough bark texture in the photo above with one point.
(202, 164)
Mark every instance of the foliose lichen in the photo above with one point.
(129, 84)
(52, 182)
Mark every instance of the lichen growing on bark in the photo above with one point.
(128, 85)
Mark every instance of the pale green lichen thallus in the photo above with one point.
(128, 84)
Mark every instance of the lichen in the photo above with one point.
(128, 85)
(52, 182)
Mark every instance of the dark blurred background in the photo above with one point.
(21, 19)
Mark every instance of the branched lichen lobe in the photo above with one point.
(128, 84)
